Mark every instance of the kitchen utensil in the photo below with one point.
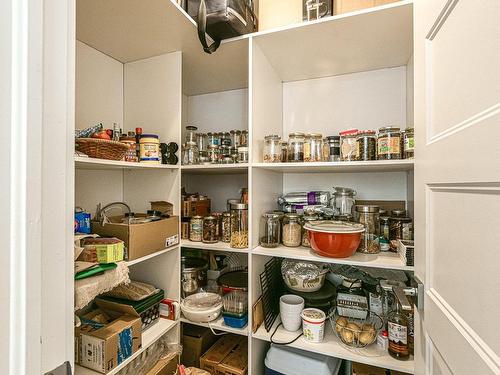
(334, 239)
(194, 274)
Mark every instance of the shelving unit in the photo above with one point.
(219, 246)
(218, 325)
(215, 169)
(340, 167)
(103, 164)
(154, 255)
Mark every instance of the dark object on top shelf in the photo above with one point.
(222, 19)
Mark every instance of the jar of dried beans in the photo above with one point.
(292, 230)
(296, 147)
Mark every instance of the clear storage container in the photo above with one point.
(348, 145)
(292, 230)
(366, 145)
(316, 148)
(210, 229)
(296, 147)
(368, 215)
(196, 229)
(190, 151)
(409, 144)
(239, 225)
(270, 229)
(272, 149)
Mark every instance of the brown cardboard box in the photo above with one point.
(236, 363)
(98, 348)
(196, 340)
(162, 206)
(216, 354)
(167, 366)
(344, 6)
(196, 208)
(141, 239)
(361, 369)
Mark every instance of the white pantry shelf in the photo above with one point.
(382, 260)
(332, 346)
(149, 337)
(219, 246)
(218, 325)
(103, 164)
(340, 166)
(154, 255)
(215, 169)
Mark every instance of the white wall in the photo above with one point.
(99, 88)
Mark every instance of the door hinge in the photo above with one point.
(64, 369)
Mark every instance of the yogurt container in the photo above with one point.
(313, 324)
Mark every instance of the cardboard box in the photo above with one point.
(167, 366)
(344, 6)
(196, 340)
(220, 350)
(236, 363)
(102, 349)
(361, 369)
(141, 239)
(196, 208)
(162, 206)
(104, 250)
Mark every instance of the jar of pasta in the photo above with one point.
(316, 147)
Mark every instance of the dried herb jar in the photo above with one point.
(196, 229)
(292, 230)
(296, 147)
(210, 229)
(270, 230)
(348, 145)
(389, 143)
(366, 141)
(409, 143)
(272, 149)
(368, 215)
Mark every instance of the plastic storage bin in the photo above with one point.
(290, 361)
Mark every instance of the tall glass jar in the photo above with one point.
(409, 144)
(239, 226)
(190, 151)
(270, 230)
(272, 149)
(307, 147)
(225, 227)
(212, 139)
(348, 145)
(366, 145)
(235, 138)
(284, 151)
(226, 139)
(368, 215)
(389, 143)
(213, 154)
(343, 200)
(305, 236)
(292, 230)
(332, 148)
(196, 229)
(244, 138)
(296, 147)
(202, 141)
(209, 229)
(316, 150)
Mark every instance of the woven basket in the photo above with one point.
(101, 148)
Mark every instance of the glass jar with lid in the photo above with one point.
(284, 151)
(307, 147)
(212, 139)
(388, 297)
(384, 233)
(196, 229)
(244, 138)
(270, 229)
(292, 230)
(368, 216)
(348, 145)
(209, 229)
(305, 236)
(202, 141)
(239, 226)
(272, 149)
(400, 227)
(242, 154)
(389, 143)
(316, 147)
(213, 154)
(343, 200)
(225, 227)
(409, 144)
(226, 139)
(296, 147)
(331, 148)
(190, 151)
(235, 138)
(366, 141)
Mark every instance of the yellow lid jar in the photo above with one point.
(149, 146)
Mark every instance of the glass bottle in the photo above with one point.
(239, 226)
(292, 230)
(397, 327)
(272, 149)
(348, 145)
(270, 231)
(296, 147)
(369, 217)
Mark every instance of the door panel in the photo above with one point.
(457, 183)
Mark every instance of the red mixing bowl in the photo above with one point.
(334, 239)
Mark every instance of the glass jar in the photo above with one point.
(190, 151)
(305, 236)
(239, 226)
(307, 147)
(343, 200)
(235, 138)
(225, 227)
(209, 229)
(296, 147)
(196, 229)
(212, 139)
(272, 149)
(400, 227)
(243, 154)
(227, 160)
(244, 138)
(213, 154)
(348, 145)
(292, 230)
(368, 216)
(409, 144)
(225, 139)
(201, 141)
(389, 143)
(384, 233)
(316, 148)
(284, 151)
(366, 141)
(331, 148)
(270, 230)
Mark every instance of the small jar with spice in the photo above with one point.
(348, 145)
(296, 147)
(316, 147)
(196, 229)
(235, 138)
(366, 145)
(272, 149)
(368, 216)
(389, 143)
(292, 230)
(213, 154)
(244, 138)
(409, 144)
(242, 154)
(210, 229)
(307, 147)
(212, 139)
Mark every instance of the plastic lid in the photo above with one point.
(313, 315)
(330, 226)
(348, 132)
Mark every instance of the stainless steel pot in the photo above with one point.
(194, 274)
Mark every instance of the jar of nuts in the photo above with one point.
(292, 230)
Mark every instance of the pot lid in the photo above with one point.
(325, 294)
(193, 264)
(234, 279)
(331, 226)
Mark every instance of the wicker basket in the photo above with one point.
(101, 148)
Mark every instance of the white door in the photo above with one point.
(457, 192)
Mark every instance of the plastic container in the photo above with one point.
(291, 361)
(334, 239)
(202, 307)
(235, 322)
(313, 324)
(149, 147)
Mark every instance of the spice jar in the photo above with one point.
(212, 139)
(244, 138)
(292, 230)
(209, 229)
(284, 151)
(368, 216)
(331, 148)
(239, 225)
(243, 154)
(400, 227)
(316, 148)
(389, 143)
(296, 147)
(270, 228)
(225, 227)
(272, 149)
(305, 236)
(348, 145)
(235, 138)
(190, 151)
(226, 139)
(409, 144)
(366, 145)
(196, 229)
(213, 154)
(384, 233)
(307, 147)
(202, 141)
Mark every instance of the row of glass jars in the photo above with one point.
(350, 145)
(233, 138)
(230, 227)
(276, 227)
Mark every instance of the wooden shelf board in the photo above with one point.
(215, 169)
(219, 246)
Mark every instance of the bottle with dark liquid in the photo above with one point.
(397, 326)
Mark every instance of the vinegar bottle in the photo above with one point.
(398, 329)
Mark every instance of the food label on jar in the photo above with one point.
(388, 145)
(409, 144)
(397, 333)
(149, 151)
(407, 231)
